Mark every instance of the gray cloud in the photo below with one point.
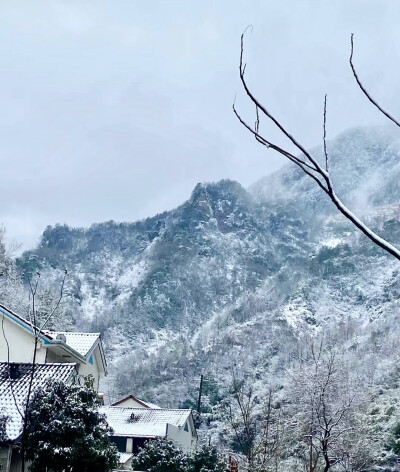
(115, 109)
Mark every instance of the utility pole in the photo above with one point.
(198, 421)
(200, 392)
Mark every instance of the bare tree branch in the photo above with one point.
(364, 90)
(310, 165)
(57, 303)
(325, 147)
(302, 164)
(36, 331)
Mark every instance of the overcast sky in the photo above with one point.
(116, 109)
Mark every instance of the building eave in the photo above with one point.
(61, 344)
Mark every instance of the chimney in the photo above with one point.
(61, 337)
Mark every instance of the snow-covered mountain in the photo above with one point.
(234, 277)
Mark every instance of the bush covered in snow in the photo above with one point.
(162, 455)
(66, 432)
(3, 423)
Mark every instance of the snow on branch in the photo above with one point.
(364, 90)
(307, 163)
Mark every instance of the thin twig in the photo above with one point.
(366, 93)
(36, 332)
(325, 147)
(325, 184)
(272, 118)
(57, 304)
(257, 123)
(269, 144)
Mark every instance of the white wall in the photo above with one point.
(183, 438)
(20, 342)
(90, 369)
(5, 458)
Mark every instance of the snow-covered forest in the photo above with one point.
(290, 314)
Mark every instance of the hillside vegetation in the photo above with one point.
(236, 283)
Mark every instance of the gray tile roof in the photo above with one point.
(145, 423)
(82, 343)
(13, 392)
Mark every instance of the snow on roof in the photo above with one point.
(151, 405)
(123, 457)
(13, 392)
(137, 400)
(82, 343)
(143, 422)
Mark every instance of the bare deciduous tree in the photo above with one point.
(37, 327)
(325, 401)
(36, 333)
(257, 426)
(306, 162)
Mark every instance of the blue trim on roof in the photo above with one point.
(16, 320)
(40, 334)
(24, 324)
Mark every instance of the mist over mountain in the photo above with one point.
(234, 278)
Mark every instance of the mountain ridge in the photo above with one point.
(232, 274)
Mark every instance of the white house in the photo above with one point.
(59, 355)
(72, 357)
(83, 349)
(134, 426)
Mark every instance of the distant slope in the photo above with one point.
(233, 277)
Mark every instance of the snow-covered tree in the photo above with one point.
(161, 455)
(12, 293)
(3, 426)
(319, 172)
(64, 431)
(256, 424)
(324, 413)
(208, 459)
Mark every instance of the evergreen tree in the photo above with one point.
(3, 427)
(396, 440)
(207, 459)
(160, 455)
(66, 432)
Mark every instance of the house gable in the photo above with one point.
(17, 339)
(136, 425)
(17, 344)
(134, 402)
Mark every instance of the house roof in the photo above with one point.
(42, 334)
(145, 422)
(80, 342)
(80, 345)
(13, 392)
(141, 402)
